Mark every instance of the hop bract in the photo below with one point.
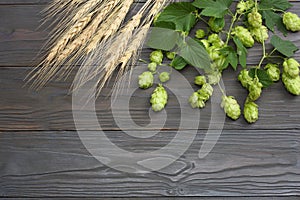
(159, 98)
(200, 80)
(146, 80)
(200, 33)
(245, 79)
(291, 21)
(244, 35)
(164, 77)
(255, 89)
(291, 67)
(171, 55)
(291, 84)
(251, 112)
(255, 19)
(231, 107)
(273, 71)
(260, 34)
(156, 57)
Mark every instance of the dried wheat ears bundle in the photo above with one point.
(93, 33)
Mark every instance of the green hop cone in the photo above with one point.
(152, 67)
(214, 77)
(291, 21)
(291, 84)
(244, 35)
(156, 57)
(200, 80)
(206, 91)
(244, 78)
(255, 19)
(260, 34)
(200, 33)
(146, 80)
(205, 43)
(213, 53)
(244, 6)
(216, 24)
(159, 98)
(291, 67)
(255, 89)
(171, 55)
(164, 77)
(251, 112)
(231, 107)
(273, 71)
(215, 40)
(196, 101)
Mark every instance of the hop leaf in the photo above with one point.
(251, 112)
(231, 107)
(146, 80)
(159, 98)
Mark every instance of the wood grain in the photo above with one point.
(35, 164)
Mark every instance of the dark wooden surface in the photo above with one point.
(41, 154)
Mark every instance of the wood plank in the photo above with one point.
(243, 163)
(51, 108)
(20, 41)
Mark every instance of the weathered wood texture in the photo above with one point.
(42, 156)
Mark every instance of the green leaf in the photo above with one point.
(241, 51)
(178, 63)
(273, 19)
(276, 4)
(212, 8)
(164, 39)
(231, 56)
(285, 47)
(262, 75)
(168, 25)
(195, 54)
(182, 14)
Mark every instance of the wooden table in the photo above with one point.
(41, 154)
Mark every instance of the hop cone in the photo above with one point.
(156, 57)
(231, 107)
(159, 98)
(206, 91)
(273, 71)
(152, 67)
(216, 26)
(260, 34)
(196, 100)
(200, 80)
(251, 112)
(291, 84)
(291, 67)
(215, 40)
(244, 78)
(164, 77)
(255, 89)
(146, 80)
(291, 21)
(171, 55)
(244, 35)
(244, 6)
(205, 43)
(200, 33)
(255, 19)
